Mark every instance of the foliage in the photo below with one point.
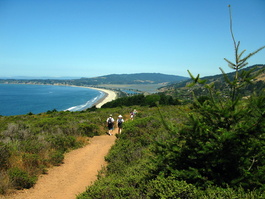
(5, 155)
(181, 91)
(145, 152)
(139, 78)
(33, 143)
(20, 178)
(56, 158)
(223, 142)
(89, 130)
(170, 188)
(142, 100)
(5, 182)
(112, 187)
(61, 142)
(215, 150)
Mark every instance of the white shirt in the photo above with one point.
(111, 119)
(120, 120)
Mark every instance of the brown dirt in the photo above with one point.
(79, 170)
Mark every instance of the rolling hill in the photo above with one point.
(138, 78)
(181, 90)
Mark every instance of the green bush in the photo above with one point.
(4, 182)
(31, 162)
(62, 142)
(4, 154)
(32, 146)
(141, 100)
(228, 193)
(170, 188)
(89, 130)
(35, 142)
(21, 179)
(56, 158)
(223, 141)
(112, 187)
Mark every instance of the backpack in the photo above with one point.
(110, 121)
(119, 121)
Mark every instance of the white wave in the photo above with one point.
(88, 104)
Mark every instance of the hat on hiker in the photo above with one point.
(119, 116)
(110, 115)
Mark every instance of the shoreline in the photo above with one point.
(109, 95)
(106, 95)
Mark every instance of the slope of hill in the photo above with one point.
(180, 89)
(138, 78)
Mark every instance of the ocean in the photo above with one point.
(20, 99)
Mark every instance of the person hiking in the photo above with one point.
(119, 123)
(134, 112)
(131, 115)
(110, 124)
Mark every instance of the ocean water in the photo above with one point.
(19, 99)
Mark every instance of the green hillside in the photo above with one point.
(202, 139)
(182, 91)
(138, 78)
(211, 148)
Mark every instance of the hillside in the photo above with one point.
(180, 89)
(138, 78)
(205, 149)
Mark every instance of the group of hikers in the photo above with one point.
(120, 121)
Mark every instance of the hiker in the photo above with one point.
(110, 124)
(134, 112)
(119, 123)
(131, 115)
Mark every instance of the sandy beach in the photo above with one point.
(109, 96)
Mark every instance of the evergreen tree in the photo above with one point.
(223, 142)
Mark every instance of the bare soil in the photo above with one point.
(79, 170)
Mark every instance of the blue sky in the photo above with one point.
(89, 38)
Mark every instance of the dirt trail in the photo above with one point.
(79, 170)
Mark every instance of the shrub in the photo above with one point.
(170, 188)
(89, 130)
(4, 182)
(31, 146)
(56, 158)
(223, 142)
(21, 179)
(112, 187)
(4, 154)
(228, 193)
(31, 162)
(62, 142)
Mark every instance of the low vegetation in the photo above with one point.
(142, 100)
(213, 148)
(29, 144)
(210, 148)
(164, 153)
(131, 79)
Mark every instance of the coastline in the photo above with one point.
(109, 95)
(105, 96)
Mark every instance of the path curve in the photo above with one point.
(79, 170)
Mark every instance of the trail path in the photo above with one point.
(79, 170)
